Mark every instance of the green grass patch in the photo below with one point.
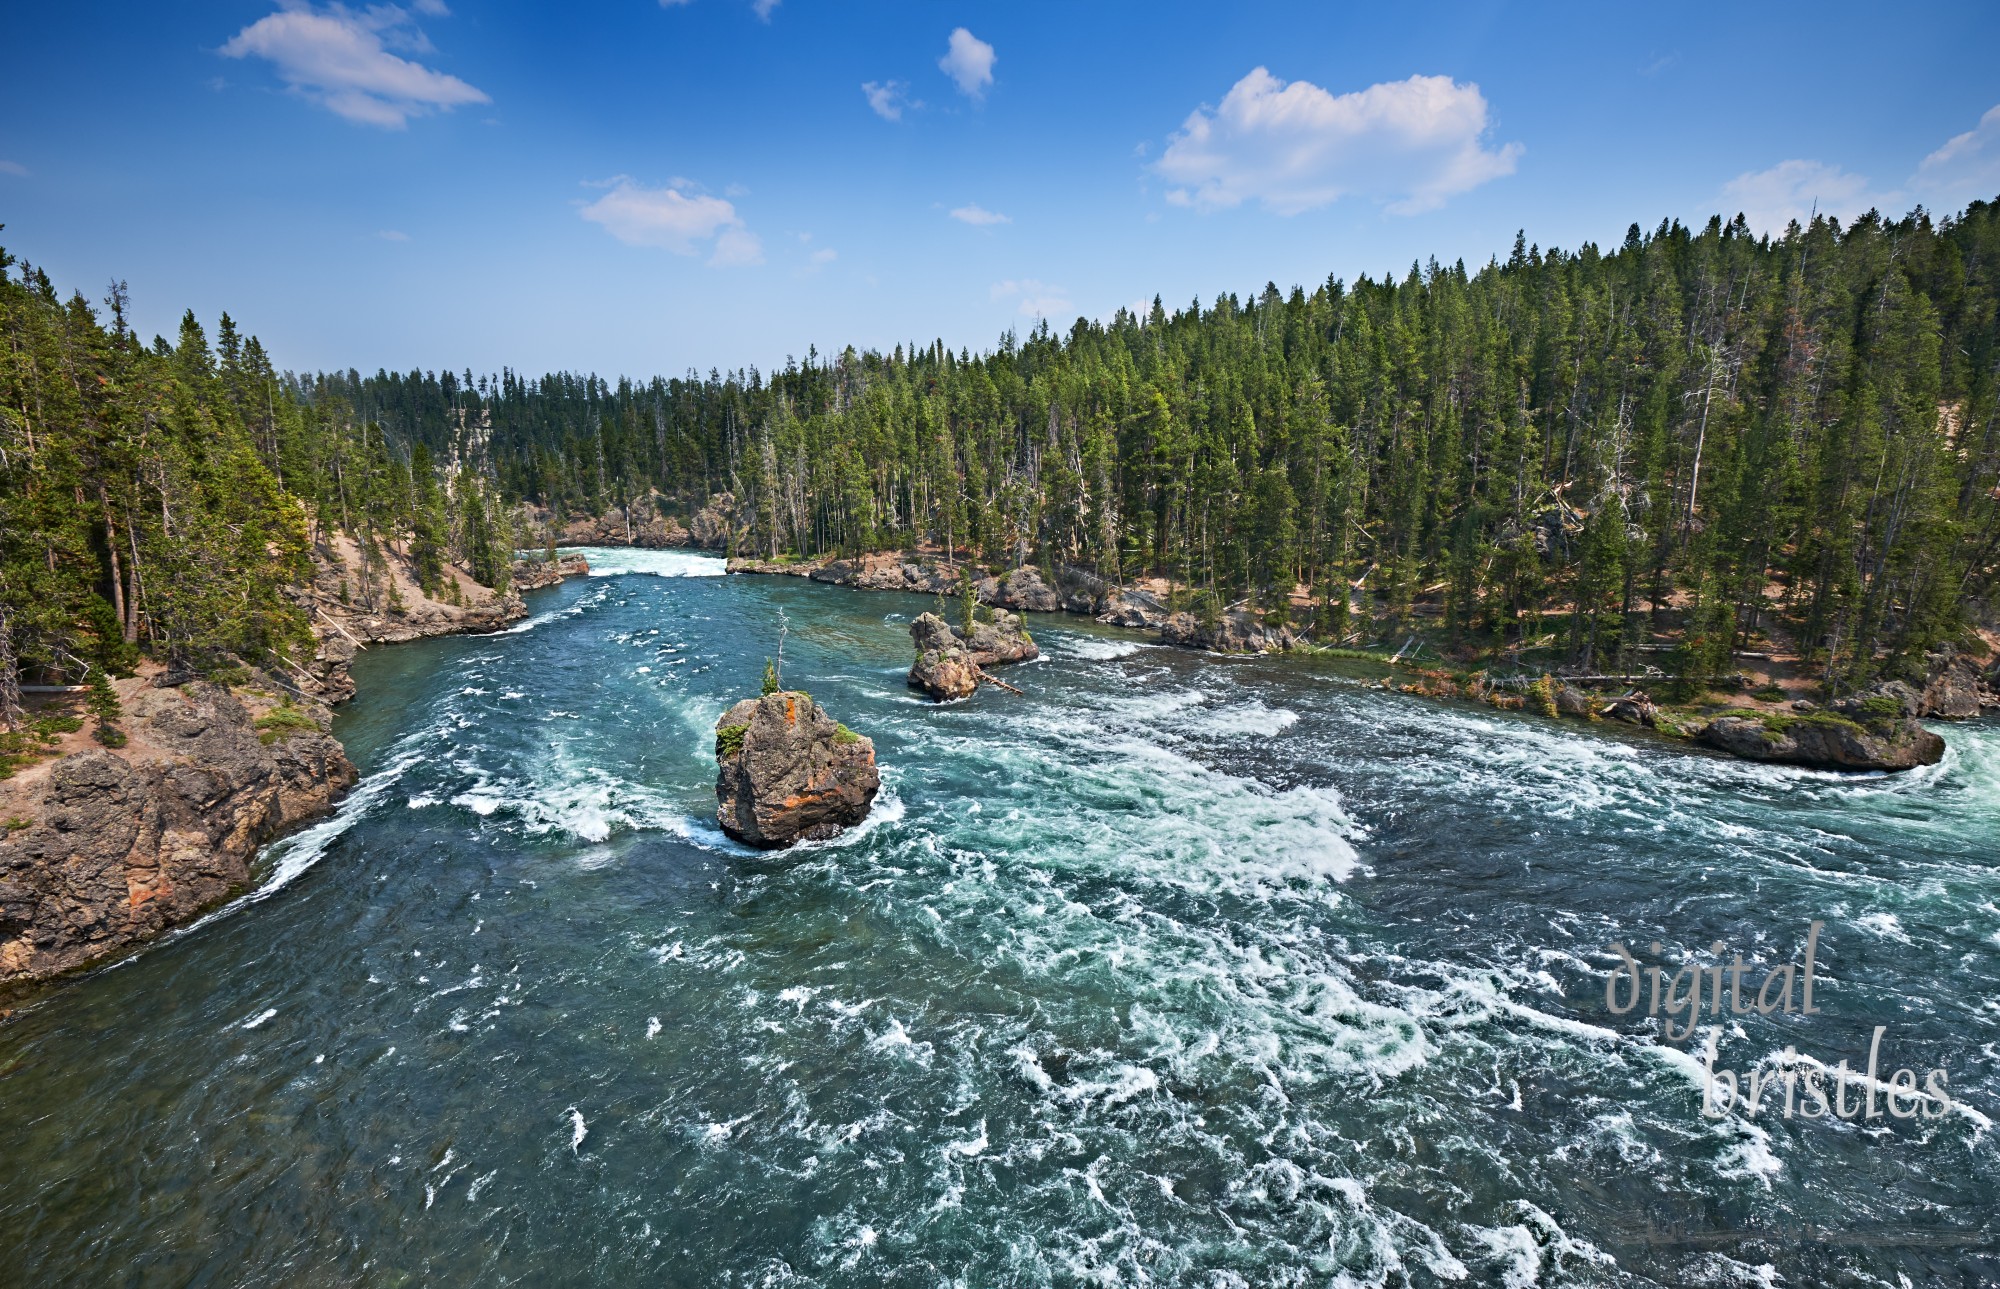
(842, 736)
(1777, 724)
(283, 721)
(729, 742)
(1768, 694)
(29, 744)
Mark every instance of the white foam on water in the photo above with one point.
(1097, 648)
(1252, 717)
(256, 1021)
(615, 561)
(1886, 926)
(578, 1130)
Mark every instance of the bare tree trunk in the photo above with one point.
(10, 676)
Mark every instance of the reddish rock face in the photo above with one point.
(787, 772)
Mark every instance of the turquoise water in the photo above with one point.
(1177, 971)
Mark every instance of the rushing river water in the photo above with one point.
(1177, 971)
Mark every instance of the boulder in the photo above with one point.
(1021, 589)
(942, 668)
(1875, 729)
(1003, 639)
(1238, 631)
(1634, 709)
(1952, 690)
(1128, 608)
(787, 772)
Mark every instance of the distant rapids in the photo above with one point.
(1176, 971)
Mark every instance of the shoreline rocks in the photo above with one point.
(1237, 631)
(787, 772)
(1874, 730)
(105, 850)
(534, 574)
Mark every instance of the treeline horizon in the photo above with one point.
(1719, 439)
(1708, 435)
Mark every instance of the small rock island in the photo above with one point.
(952, 662)
(787, 772)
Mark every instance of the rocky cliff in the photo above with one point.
(354, 601)
(102, 850)
(788, 772)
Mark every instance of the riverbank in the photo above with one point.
(1757, 719)
(106, 845)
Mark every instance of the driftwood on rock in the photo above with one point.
(950, 664)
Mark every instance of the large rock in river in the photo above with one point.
(1001, 638)
(786, 771)
(1874, 730)
(942, 669)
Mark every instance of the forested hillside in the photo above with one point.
(161, 499)
(1707, 438)
(1707, 434)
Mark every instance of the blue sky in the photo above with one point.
(640, 187)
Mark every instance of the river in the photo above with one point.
(1178, 970)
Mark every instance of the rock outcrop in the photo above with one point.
(354, 602)
(1022, 589)
(715, 524)
(1238, 631)
(534, 574)
(1874, 730)
(1953, 689)
(942, 668)
(787, 772)
(1134, 609)
(1002, 638)
(101, 851)
(639, 526)
(951, 664)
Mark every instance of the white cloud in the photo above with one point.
(431, 8)
(762, 8)
(825, 255)
(1770, 199)
(888, 98)
(1293, 146)
(969, 61)
(14, 168)
(1966, 167)
(340, 58)
(392, 235)
(679, 218)
(674, 4)
(1038, 299)
(977, 216)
